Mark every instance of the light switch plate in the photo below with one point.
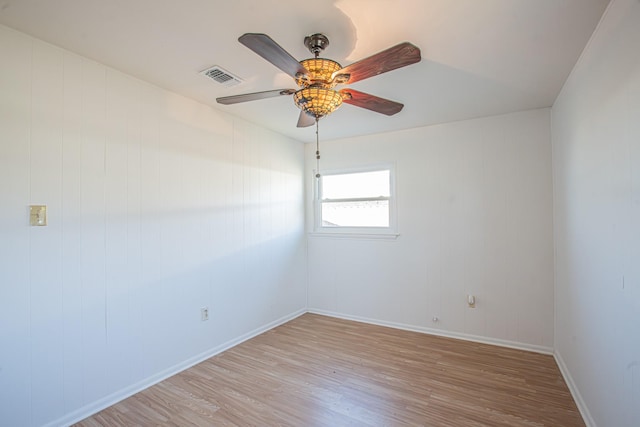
(38, 215)
(471, 300)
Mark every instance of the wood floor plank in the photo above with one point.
(322, 371)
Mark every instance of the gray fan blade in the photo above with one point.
(305, 120)
(264, 46)
(234, 99)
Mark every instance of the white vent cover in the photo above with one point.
(220, 75)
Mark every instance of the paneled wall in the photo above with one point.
(157, 206)
(596, 166)
(474, 205)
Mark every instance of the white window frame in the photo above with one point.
(366, 232)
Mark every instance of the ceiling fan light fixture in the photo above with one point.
(321, 72)
(317, 101)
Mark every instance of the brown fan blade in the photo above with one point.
(264, 46)
(305, 120)
(234, 99)
(397, 56)
(370, 102)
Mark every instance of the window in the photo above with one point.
(357, 201)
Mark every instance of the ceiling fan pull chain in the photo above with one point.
(317, 151)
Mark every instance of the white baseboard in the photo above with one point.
(577, 397)
(438, 332)
(113, 398)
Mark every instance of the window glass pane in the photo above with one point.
(373, 213)
(356, 185)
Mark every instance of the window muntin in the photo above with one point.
(356, 200)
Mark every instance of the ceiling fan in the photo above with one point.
(317, 77)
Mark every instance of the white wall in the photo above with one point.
(474, 216)
(158, 206)
(596, 166)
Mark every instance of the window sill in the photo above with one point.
(352, 235)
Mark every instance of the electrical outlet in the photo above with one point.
(204, 313)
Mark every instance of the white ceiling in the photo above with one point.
(479, 57)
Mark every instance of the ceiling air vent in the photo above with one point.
(221, 76)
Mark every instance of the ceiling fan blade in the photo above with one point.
(305, 120)
(234, 99)
(371, 102)
(264, 46)
(397, 56)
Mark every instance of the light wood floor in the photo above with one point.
(321, 371)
